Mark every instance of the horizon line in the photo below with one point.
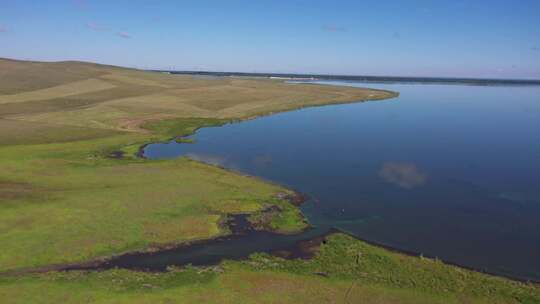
(535, 81)
(320, 75)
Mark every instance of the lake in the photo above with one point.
(447, 171)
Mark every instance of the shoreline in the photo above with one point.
(95, 264)
(80, 162)
(299, 250)
(156, 248)
(140, 154)
(118, 153)
(371, 242)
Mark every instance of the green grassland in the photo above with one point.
(63, 200)
(344, 270)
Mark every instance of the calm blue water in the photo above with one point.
(450, 171)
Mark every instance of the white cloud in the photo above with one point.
(97, 27)
(124, 35)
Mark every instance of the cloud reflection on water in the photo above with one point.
(404, 175)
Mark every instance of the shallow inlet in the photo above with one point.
(243, 242)
(448, 171)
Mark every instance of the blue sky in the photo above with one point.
(410, 38)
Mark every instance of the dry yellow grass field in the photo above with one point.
(123, 99)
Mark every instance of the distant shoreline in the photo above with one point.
(386, 79)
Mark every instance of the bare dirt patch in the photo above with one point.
(13, 191)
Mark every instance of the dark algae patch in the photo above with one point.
(116, 154)
(305, 249)
(295, 198)
(282, 215)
